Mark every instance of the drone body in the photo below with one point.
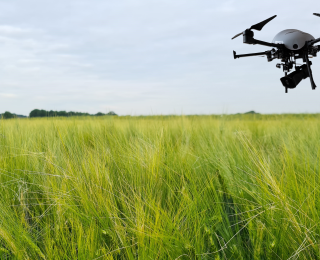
(292, 39)
(290, 44)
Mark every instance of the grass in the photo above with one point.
(198, 187)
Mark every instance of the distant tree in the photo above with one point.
(42, 113)
(62, 113)
(52, 113)
(251, 112)
(111, 113)
(99, 114)
(34, 113)
(8, 115)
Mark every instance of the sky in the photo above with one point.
(148, 57)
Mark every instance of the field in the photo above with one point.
(180, 187)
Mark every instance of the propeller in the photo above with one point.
(316, 14)
(259, 26)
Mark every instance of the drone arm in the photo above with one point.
(248, 39)
(314, 41)
(235, 56)
(313, 85)
(254, 41)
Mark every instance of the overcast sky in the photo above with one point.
(148, 56)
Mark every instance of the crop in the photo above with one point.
(175, 187)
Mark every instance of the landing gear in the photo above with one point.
(285, 74)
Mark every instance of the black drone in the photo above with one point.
(290, 45)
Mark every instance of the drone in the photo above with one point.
(288, 46)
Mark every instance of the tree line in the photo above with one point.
(7, 115)
(51, 113)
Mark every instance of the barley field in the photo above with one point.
(170, 187)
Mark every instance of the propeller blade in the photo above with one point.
(236, 35)
(316, 14)
(260, 25)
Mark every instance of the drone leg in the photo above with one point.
(285, 74)
(235, 55)
(313, 85)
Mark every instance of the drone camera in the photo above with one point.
(294, 78)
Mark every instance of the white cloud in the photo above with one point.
(7, 95)
(13, 30)
(227, 6)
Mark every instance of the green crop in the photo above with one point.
(179, 187)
